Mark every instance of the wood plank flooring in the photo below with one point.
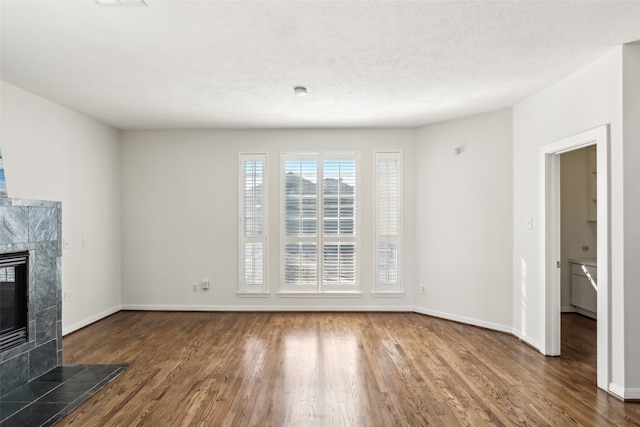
(336, 369)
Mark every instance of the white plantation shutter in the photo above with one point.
(319, 196)
(301, 198)
(252, 222)
(300, 221)
(388, 220)
(339, 222)
(301, 263)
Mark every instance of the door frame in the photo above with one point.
(550, 243)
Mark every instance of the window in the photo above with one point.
(319, 222)
(388, 193)
(252, 233)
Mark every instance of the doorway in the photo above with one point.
(578, 257)
(551, 238)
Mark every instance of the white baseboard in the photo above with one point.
(86, 322)
(467, 320)
(160, 307)
(617, 390)
(527, 339)
(622, 393)
(399, 308)
(567, 309)
(632, 393)
(586, 313)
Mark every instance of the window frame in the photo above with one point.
(319, 287)
(252, 289)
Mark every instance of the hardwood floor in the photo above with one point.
(336, 369)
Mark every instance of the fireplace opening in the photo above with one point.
(14, 273)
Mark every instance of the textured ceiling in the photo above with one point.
(233, 64)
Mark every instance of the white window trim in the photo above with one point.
(319, 289)
(252, 290)
(385, 289)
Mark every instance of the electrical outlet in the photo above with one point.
(194, 287)
(423, 289)
(67, 296)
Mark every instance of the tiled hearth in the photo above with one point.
(48, 398)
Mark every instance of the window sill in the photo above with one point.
(388, 294)
(253, 294)
(313, 294)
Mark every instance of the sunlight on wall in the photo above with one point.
(523, 297)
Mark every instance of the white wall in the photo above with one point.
(631, 104)
(53, 153)
(576, 231)
(180, 221)
(590, 97)
(464, 219)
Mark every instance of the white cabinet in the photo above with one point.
(584, 297)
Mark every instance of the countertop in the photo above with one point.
(591, 262)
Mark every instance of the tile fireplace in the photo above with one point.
(30, 251)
